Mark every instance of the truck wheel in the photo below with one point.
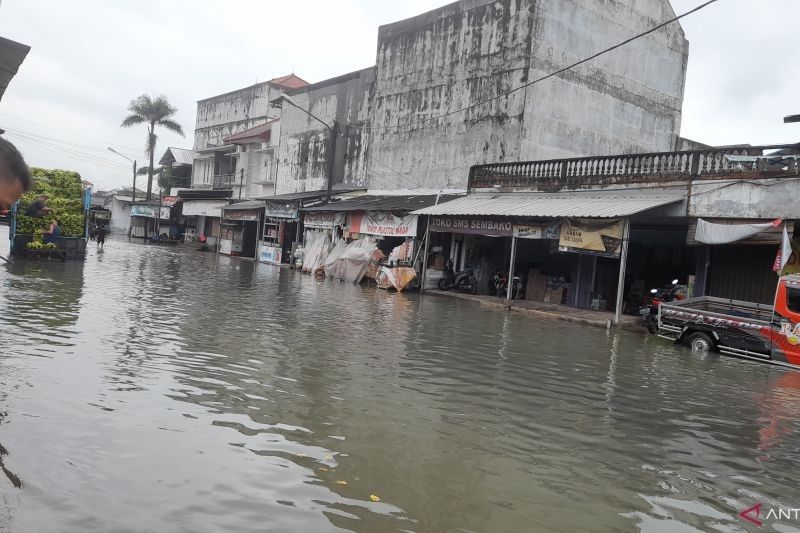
(700, 342)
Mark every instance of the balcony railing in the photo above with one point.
(583, 172)
(224, 181)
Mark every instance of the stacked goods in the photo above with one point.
(65, 199)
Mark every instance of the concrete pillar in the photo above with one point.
(623, 261)
(510, 288)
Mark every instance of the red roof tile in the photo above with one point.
(290, 81)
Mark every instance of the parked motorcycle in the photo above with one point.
(502, 287)
(464, 281)
(649, 311)
(494, 280)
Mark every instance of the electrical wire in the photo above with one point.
(60, 150)
(107, 143)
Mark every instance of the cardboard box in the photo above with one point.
(536, 285)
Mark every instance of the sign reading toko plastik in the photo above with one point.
(592, 237)
(383, 223)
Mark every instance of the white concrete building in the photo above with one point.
(448, 91)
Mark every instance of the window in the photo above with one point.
(793, 299)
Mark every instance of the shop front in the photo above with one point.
(568, 249)
(202, 219)
(147, 218)
(281, 229)
(240, 229)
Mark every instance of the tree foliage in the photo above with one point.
(152, 111)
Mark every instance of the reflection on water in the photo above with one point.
(167, 390)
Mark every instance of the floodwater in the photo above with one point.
(155, 389)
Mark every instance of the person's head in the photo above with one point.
(15, 178)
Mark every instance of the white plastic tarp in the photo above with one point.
(354, 261)
(315, 254)
(331, 262)
(710, 233)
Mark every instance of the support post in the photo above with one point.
(510, 288)
(331, 159)
(425, 254)
(623, 261)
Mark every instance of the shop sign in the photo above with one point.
(538, 231)
(471, 225)
(282, 211)
(602, 238)
(323, 220)
(148, 211)
(270, 254)
(168, 201)
(241, 214)
(383, 223)
(203, 208)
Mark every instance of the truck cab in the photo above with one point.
(742, 329)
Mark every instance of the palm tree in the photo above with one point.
(153, 112)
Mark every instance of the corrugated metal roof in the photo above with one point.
(180, 156)
(551, 205)
(249, 204)
(405, 203)
(306, 195)
(11, 56)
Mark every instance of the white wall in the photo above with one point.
(120, 216)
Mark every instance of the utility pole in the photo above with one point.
(333, 132)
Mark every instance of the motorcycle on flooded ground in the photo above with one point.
(464, 281)
(502, 287)
(649, 311)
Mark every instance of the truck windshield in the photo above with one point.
(793, 299)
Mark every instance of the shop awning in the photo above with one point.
(548, 205)
(207, 208)
(394, 203)
(244, 206)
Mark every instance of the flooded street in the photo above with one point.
(154, 389)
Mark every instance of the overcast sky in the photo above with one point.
(89, 58)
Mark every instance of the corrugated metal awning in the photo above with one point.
(247, 205)
(551, 205)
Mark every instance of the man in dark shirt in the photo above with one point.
(101, 236)
(37, 208)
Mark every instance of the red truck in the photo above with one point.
(742, 329)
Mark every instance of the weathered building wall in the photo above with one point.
(230, 113)
(467, 52)
(763, 198)
(303, 146)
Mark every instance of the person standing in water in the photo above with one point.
(100, 236)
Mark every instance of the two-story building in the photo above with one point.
(235, 141)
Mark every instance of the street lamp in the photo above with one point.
(134, 171)
(791, 118)
(333, 131)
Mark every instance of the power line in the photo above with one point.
(552, 74)
(69, 132)
(62, 151)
